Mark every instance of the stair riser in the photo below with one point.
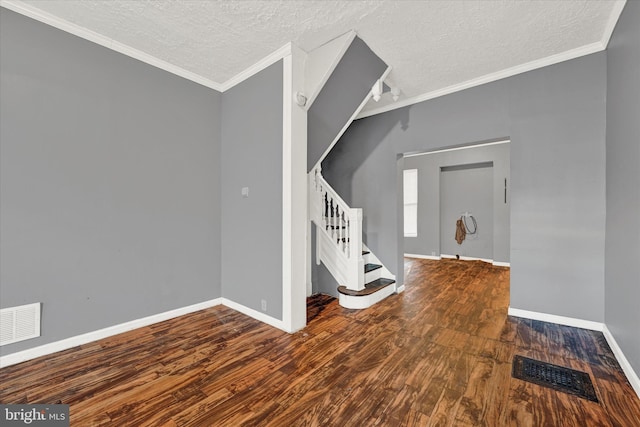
(360, 302)
(372, 275)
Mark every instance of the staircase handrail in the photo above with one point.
(342, 227)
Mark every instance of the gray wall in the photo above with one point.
(555, 119)
(252, 157)
(496, 235)
(467, 189)
(109, 186)
(343, 92)
(622, 278)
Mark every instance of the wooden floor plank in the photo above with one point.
(439, 354)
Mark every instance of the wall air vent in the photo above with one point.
(19, 323)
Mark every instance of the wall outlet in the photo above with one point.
(263, 304)
(433, 253)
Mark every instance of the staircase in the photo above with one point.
(341, 77)
(363, 279)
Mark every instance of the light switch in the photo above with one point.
(245, 192)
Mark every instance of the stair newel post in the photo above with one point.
(356, 262)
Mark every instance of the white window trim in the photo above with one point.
(410, 182)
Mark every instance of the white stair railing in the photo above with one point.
(339, 233)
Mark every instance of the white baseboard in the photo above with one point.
(464, 258)
(632, 376)
(502, 264)
(67, 343)
(418, 256)
(255, 314)
(560, 320)
(467, 258)
(400, 289)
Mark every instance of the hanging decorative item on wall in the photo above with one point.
(461, 232)
(466, 226)
(462, 227)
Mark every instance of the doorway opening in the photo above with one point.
(464, 184)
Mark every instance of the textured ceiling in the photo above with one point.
(431, 45)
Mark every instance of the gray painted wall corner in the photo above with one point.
(110, 183)
(622, 270)
(252, 133)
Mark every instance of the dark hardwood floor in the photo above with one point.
(438, 354)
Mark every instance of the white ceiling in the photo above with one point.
(433, 46)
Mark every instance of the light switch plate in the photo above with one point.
(245, 192)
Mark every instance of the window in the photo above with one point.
(410, 185)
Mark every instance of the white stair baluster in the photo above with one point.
(339, 228)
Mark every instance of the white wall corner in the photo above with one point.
(631, 374)
(254, 314)
(265, 62)
(294, 195)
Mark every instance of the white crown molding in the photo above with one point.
(61, 24)
(67, 343)
(268, 60)
(92, 36)
(465, 147)
(518, 69)
(560, 320)
(492, 77)
(612, 22)
(632, 376)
